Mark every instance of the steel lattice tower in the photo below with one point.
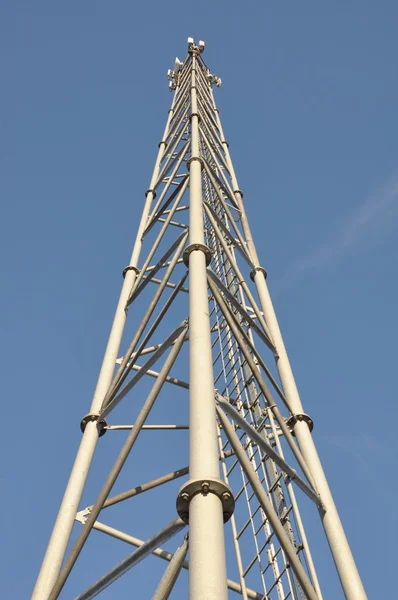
(194, 287)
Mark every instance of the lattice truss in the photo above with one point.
(261, 465)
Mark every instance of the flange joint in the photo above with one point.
(152, 192)
(254, 271)
(293, 419)
(130, 268)
(191, 248)
(205, 486)
(195, 114)
(195, 158)
(91, 417)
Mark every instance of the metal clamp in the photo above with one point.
(195, 115)
(292, 420)
(195, 158)
(204, 487)
(238, 191)
(91, 417)
(254, 271)
(191, 248)
(130, 268)
(153, 192)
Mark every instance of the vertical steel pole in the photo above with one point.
(342, 555)
(63, 525)
(207, 572)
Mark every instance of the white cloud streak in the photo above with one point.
(373, 219)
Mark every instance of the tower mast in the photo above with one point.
(188, 288)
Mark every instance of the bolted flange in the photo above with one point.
(194, 114)
(191, 248)
(130, 268)
(254, 271)
(292, 420)
(150, 191)
(94, 417)
(193, 158)
(204, 487)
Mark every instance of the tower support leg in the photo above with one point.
(62, 529)
(338, 543)
(207, 573)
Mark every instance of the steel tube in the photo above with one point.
(263, 386)
(231, 258)
(173, 380)
(240, 308)
(123, 370)
(207, 575)
(338, 543)
(267, 507)
(144, 487)
(269, 451)
(64, 523)
(127, 563)
(163, 554)
(160, 316)
(169, 578)
(117, 467)
(233, 524)
(136, 378)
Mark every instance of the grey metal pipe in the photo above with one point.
(207, 575)
(269, 451)
(267, 507)
(169, 578)
(263, 386)
(160, 316)
(164, 555)
(144, 268)
(127, 563)
(338, 543)
(240, 308)
(241, 279)
(144, 487)
(117, 467)
(123, 370)
(66, 515)
(173, 380)
(134, 380)
(139, 288)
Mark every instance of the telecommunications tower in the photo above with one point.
(216, 440)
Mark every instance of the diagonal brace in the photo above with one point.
(267, 507)
(117, 467)
(269, 451)
(130, 561)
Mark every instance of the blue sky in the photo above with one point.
(308, 105)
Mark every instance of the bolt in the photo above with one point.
(226, 516)
(185, 496)
(205, 487)
(226, 496)
(185, 517)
